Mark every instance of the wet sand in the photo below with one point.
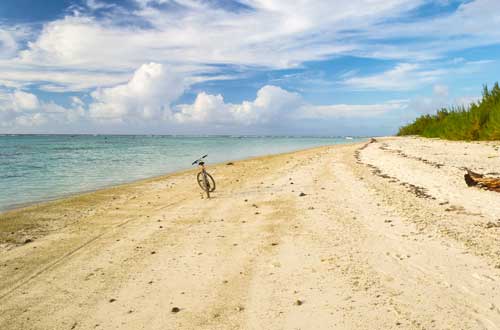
(383, 235)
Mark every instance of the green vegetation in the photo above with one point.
(480, 121)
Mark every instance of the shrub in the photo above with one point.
(479, 121)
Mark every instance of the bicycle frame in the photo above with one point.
(204, 181)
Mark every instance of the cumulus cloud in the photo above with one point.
(274, 104)
(152, 92)
(271, 103)
(147, 95)
(24, 101)
(31, 120)
(18, 108)
(101, 49)
(23, 109)
(206, 108)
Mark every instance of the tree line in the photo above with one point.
(479, 121)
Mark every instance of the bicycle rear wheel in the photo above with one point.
(210, 182)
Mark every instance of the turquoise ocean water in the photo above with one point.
(36, 168)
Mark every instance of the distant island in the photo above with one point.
(479, 121)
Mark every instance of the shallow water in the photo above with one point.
(36, 168)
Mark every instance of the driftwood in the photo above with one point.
(476, 179)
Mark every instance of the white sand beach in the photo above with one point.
(385, 235)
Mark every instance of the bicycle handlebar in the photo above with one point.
(196, 161)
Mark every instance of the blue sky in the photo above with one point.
(306, 67)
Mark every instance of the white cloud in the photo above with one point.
(271, 103)
(274, 104)
(404, 76)
(469, 20)
(148, 98)
(22, 109)
(96, 5)
(411, 76)
(8, 44)
(440, 99)
(273, 34)
(22, 101)
(351, 110)
(82, 52)
(55, 80)
(470, 25)
(147, 95)
(76, 101)
(31, 120)
(206, 108)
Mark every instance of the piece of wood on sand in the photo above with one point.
(476, 179)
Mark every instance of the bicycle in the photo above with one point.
(205, 180)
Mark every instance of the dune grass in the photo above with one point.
(479, 121)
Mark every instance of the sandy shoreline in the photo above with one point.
(386, 236)
(40, 202)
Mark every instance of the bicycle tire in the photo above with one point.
(201, 182)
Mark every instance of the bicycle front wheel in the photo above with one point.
(210, 185)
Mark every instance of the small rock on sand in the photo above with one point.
(302, 194)
(175, 310)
